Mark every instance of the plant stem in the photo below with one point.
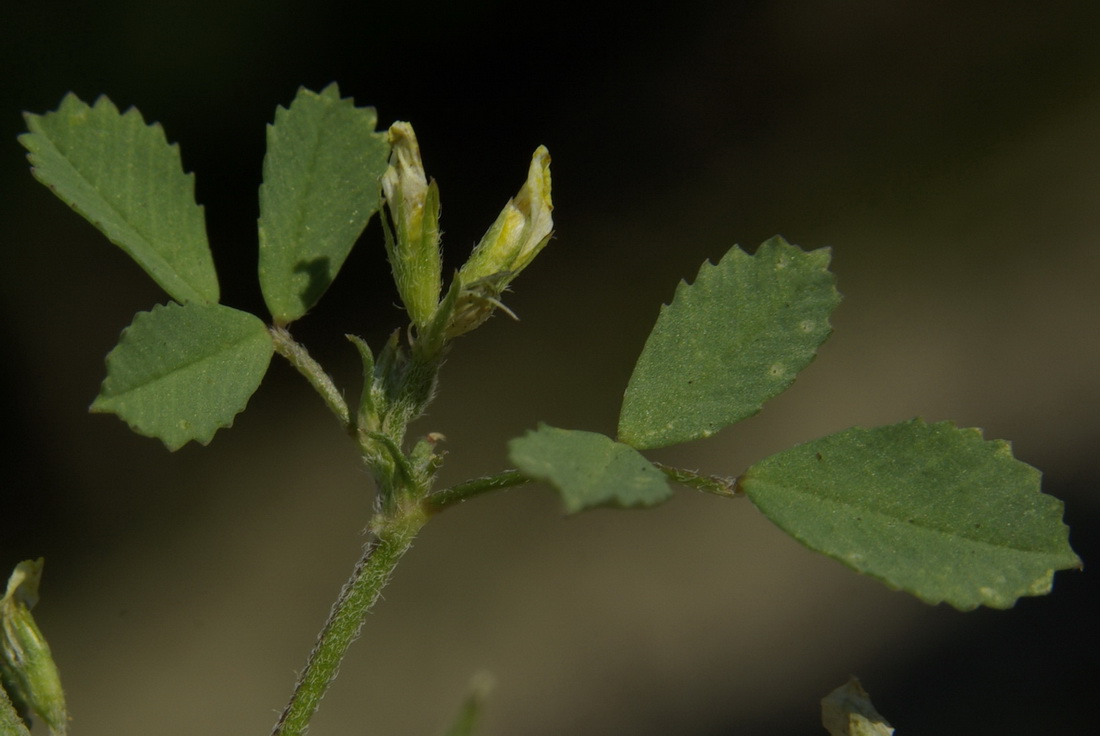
(726, 487)
(457, 494)
(322, 383)
(393, 539)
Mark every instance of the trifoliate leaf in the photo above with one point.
(180, 373)
(589, 469)
(928, 508)
(321, 186)
(727, 343)
(124, 178)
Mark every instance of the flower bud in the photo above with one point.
(523, 229)
(27, 668)
(413, 246)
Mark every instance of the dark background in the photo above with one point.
(947, 152)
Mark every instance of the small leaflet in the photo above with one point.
(122, 176)
(181, 372)
(589, 469)
(321, 186)
(931, 509)
(727, 343)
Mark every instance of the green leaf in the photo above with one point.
(321, 186)
(589, 469)
(180, 373)
(727, 343)
(124, 178)
(928, 508)
(10, 722)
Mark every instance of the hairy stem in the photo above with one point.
(322, 383)
(457, 494)
(394, 537)
(717, 485)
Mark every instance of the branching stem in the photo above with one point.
(407, 505)
(393, 537)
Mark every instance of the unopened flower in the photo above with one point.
(522, 229)
(27, 669)
(413, 246)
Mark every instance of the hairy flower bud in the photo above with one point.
(522, 229)
(27, 669)
(413, 245)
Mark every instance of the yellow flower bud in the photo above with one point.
(522, 229)
(27, 668)
(413, 248)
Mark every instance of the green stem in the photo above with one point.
(346, 619)
(726, 487)
(457, 494)
(322, 383)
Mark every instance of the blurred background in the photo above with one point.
(947, 152)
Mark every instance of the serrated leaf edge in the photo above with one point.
(36, 133)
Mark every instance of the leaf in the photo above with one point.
(321, 187)
(928, 508)
(589, 469)
(727, 343)
(122, 176)
(180, 373)
(10, 722)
